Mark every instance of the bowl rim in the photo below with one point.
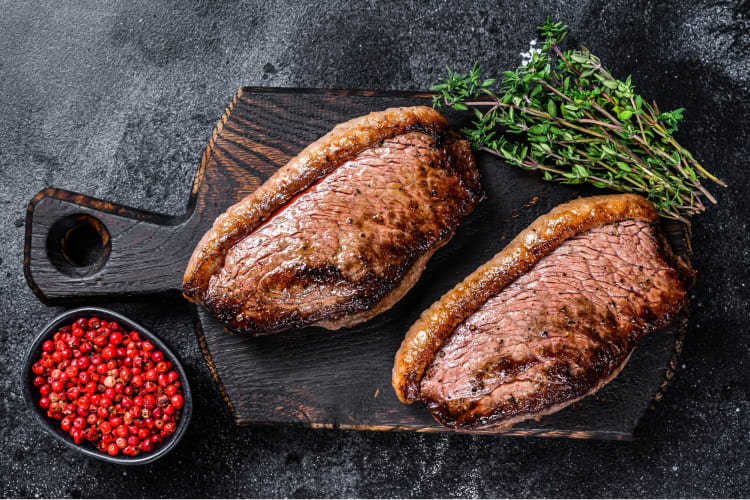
(49, 425)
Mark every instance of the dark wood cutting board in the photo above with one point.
(78, 248)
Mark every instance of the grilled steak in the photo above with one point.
(547, 321)
(341, 232)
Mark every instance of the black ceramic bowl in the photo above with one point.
(31, 393)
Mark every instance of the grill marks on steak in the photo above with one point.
(343, 244)
(558, 332)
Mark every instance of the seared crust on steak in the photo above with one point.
(548, 373)
(410, 146)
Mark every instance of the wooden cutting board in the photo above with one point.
(79, 248)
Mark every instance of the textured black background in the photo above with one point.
(117, 101)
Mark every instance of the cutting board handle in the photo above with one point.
(79, 247)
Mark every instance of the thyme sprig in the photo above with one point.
(566, 115)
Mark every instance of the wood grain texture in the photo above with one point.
(315, 377)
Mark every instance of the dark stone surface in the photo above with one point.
(117, 101)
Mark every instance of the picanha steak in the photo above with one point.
(341, 232)
(549, 320)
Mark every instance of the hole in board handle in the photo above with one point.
(78, 245)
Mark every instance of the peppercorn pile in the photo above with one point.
(110, 388)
